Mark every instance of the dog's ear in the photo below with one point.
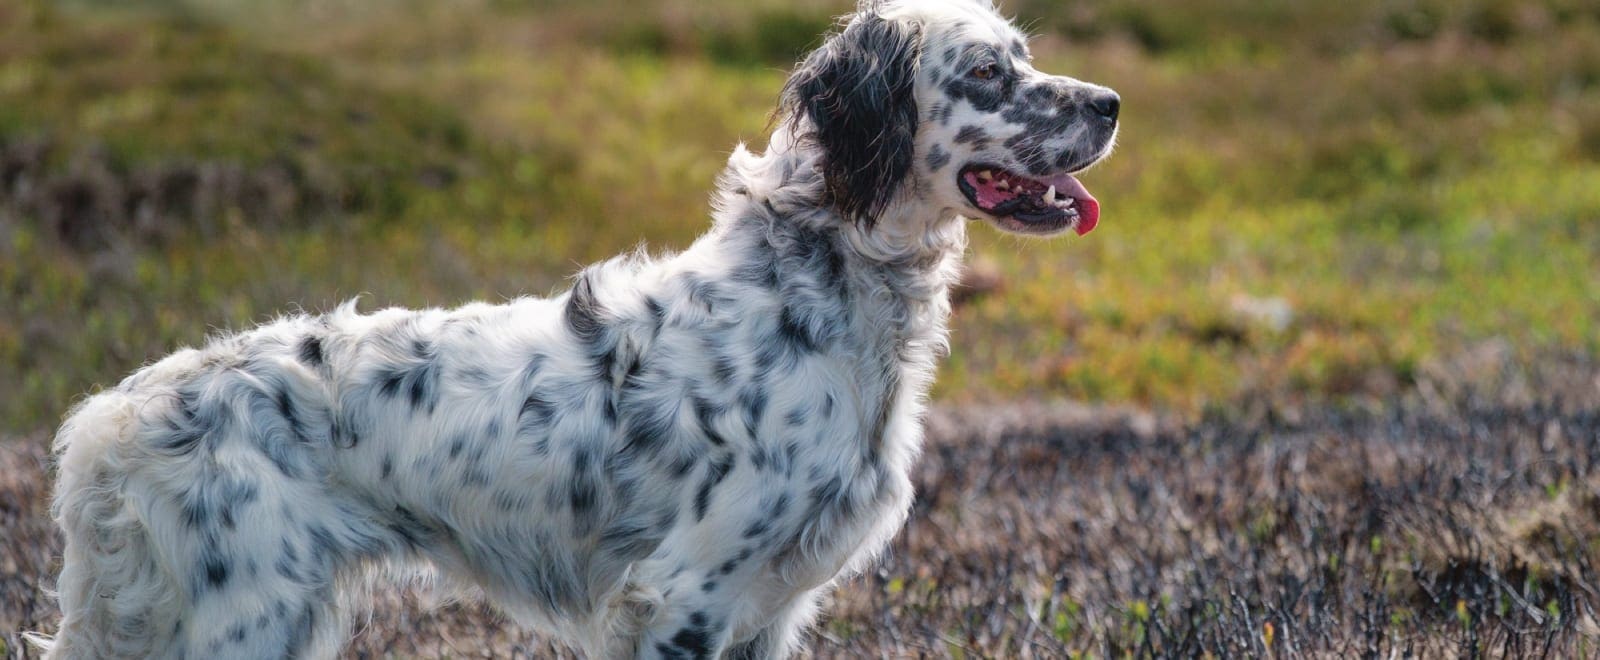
(857, 93)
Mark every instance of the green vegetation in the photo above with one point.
(1406, 179)
(1312, 203)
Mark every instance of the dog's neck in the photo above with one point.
(893, 278)
(918, 242)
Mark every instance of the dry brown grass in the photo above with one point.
(1463, 519)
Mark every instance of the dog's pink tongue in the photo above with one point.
(1088, 207)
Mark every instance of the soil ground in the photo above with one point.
(1460, 520)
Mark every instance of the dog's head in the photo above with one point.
(937, 101)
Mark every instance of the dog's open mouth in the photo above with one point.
(1043, 204)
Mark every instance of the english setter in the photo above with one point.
(676, 458)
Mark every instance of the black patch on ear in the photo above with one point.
(857, 92)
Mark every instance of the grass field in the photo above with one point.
(1317, 212)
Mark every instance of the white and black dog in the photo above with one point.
(674, 459)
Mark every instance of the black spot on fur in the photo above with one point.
(649, 426)
(216, 570)
(715, 473)
(288, 559)
(754, 401)
(310, 351)
(790, 452)
(971, 134)
(706, 413)
(794, 340)
(186, 427)
(608, 410)
(584, 315)
(691, 641)
(409, 527)
(818, 253)
(286, 408)
(795, 333)
(389, 385)
(857, 94)
(584, 491)
(424, 392)
(195, 515)
(732, 564)
(938, 158)
(419, 379)
(658, 312)
(323, 543)
(386, 467)
(723, 368)
(536, 415)
(830, 496)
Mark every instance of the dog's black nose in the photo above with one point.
(1106, 105)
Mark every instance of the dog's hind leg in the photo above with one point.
(113, 590)
(197, 526)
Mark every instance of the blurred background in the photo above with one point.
(1310, 201)
(1324, 381)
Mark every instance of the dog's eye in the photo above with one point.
(983, 71)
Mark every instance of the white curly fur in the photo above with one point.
(676, 458)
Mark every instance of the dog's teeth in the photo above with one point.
(1002, 185)
(985, 175)
(1050, 195)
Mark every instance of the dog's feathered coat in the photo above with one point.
(673, 459)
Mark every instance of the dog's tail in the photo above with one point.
(111, 582)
